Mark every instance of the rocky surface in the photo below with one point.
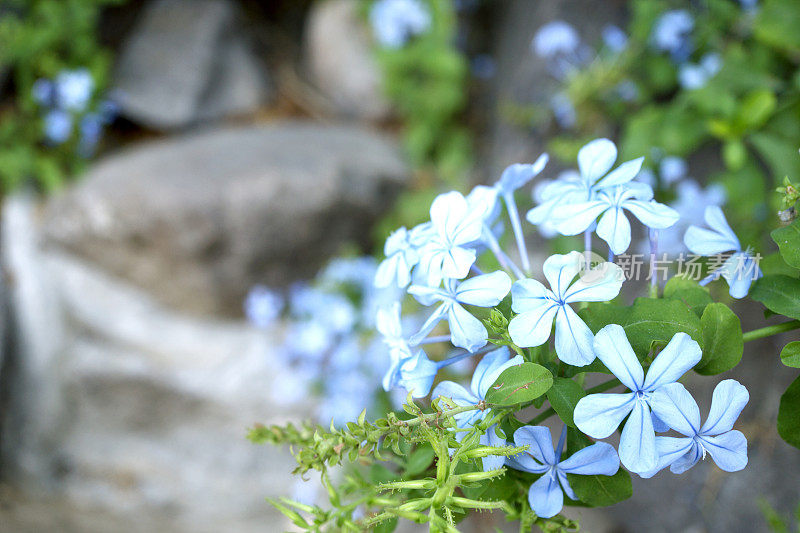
(121, 405)
(187, 61)
(341, 61)
(198, 220)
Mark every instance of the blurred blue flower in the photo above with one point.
(672, 33)
(741, 269)
(563, 110)
(43, 92)
(74, 89)
(57, 126)
(627, 90)
(679, 411)
(546, 494)
(695, 76)
(466, 331)
(538, 306)
(672, 169)
(615, 39)
(395, 21)
(263, 306)
(554, 38)
(599, 415)
(690, 203)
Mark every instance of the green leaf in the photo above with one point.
(419, 461)
(520, 384)
(790, 355)
(788, 240)
(780, 294)
(647, 323)
(563, 397)
(722, 340)
(776, 24)
(600, 491)
(789, 414)
(689, 292)
(774, 263)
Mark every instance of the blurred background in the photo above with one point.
(195, 195)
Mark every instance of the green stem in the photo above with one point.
(770, 330)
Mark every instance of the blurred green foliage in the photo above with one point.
(38, 39)
(747, 115)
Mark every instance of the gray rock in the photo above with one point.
(123, 406)
(199, 220)
(341, 62)
(186, 61)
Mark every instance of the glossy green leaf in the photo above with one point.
(689, 292)
(790, 355)
(722, 340)
(789, 414)
(788, 240)
(520, 384)
(563, 397)
(601, 491)
(780, 294)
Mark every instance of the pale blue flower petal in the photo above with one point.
(599, 415)
(740, 271)
(720, 238)
(727, 403)
(669, 450)
(622, 174)
(533, 327)
(576, 218)
(688, 460)
(466, 331)
(560, 270)
(565, 486)
(637, 446)
(615, 229)
(596, 158)
(612, 348)
(599, 458)
(540, 443)
(458, 393)
(456, 262)
(451, 217)
(673, 404)
(489, 369)
(417, 374)
(728, 450)
(680, 354)
(530, 295)
(486, 290)
(546, 497)
(518, 175)
(658, 425)
(573, 338)
(600, 284)
(652, 214)
(431, 323)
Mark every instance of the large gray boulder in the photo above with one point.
(200, 219)
(341, 61)
(120, 405)
(187, 61)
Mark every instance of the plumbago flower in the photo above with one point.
(486, 373)
(717, 437)
(538, 306)
(395, 21)
(595, 161)
(741, 269)
(599, 415)
(609, 204)
(400, 259)
(546, 495)
(486, 290)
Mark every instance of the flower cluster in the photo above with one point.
(441, 264)
(396, 21)
(329, 346)
(67, 101)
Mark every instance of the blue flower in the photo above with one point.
(389, 326)
(695, 76)
(739, 270)
(57, 126)
(615, 39)
(546, 495)
(395, 21)
(671, 33)
(537, 306)
(690, 203)
(445, 244)
(678, 410)
(417, 373)
(486, 373)
(467, 332)
(43, 92)
(672, 169)
(599, 415)
(554, 38)
(73, 89)
(563, 110)
(595, 160)
(400, 259)
(614, 227)
(262, 306)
